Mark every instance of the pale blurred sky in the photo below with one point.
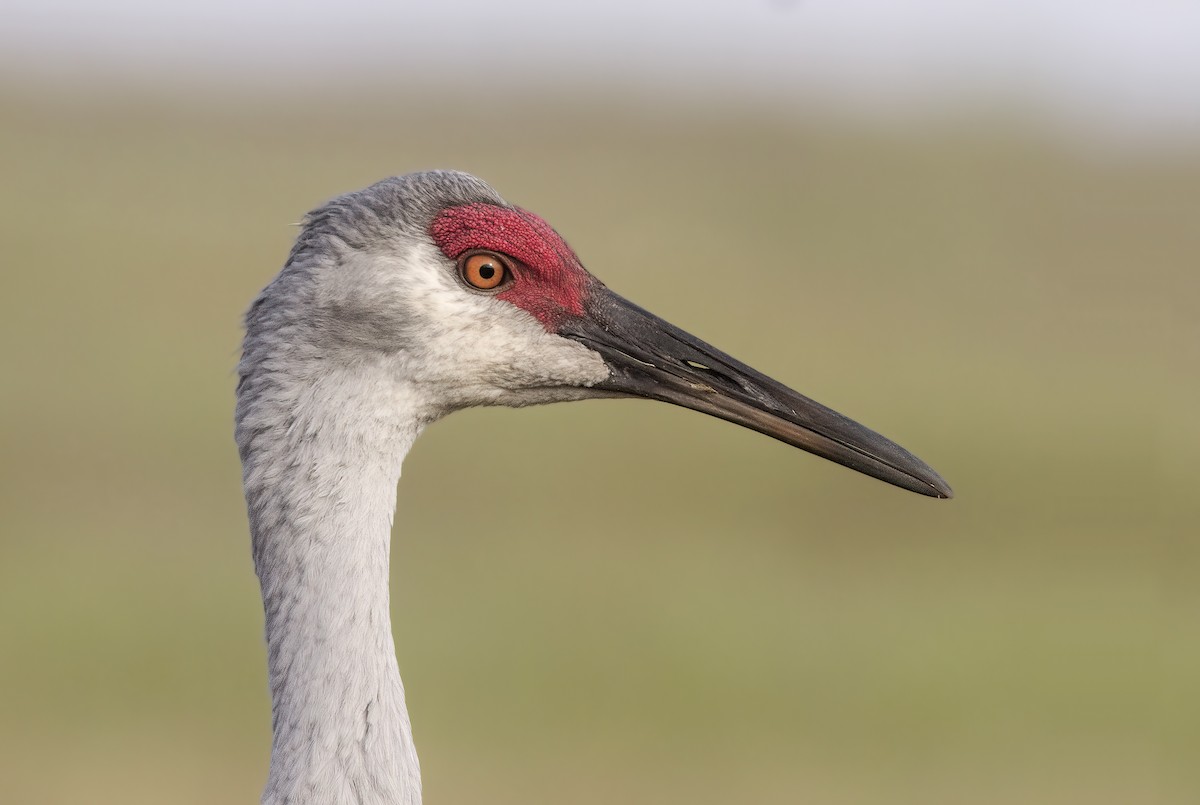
(1125, 68)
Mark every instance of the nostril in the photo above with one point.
(714, 376)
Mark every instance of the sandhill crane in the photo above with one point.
(399, 304)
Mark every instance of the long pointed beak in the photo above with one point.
(651, 358)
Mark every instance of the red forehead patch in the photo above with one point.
(549, 283)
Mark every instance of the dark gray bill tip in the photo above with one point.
(933, 485)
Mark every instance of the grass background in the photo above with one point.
(646, 605)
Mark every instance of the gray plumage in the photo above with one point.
(362, 339)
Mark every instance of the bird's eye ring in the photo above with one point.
(483, 270)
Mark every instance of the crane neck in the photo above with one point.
(321, 457)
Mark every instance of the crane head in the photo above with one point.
(472, 301)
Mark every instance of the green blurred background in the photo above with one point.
(649, 606)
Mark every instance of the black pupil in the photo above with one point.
(487, 271)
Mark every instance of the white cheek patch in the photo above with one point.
(474, 343)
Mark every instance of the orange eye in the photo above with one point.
(483, 270)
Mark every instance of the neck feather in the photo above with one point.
(321, 457)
